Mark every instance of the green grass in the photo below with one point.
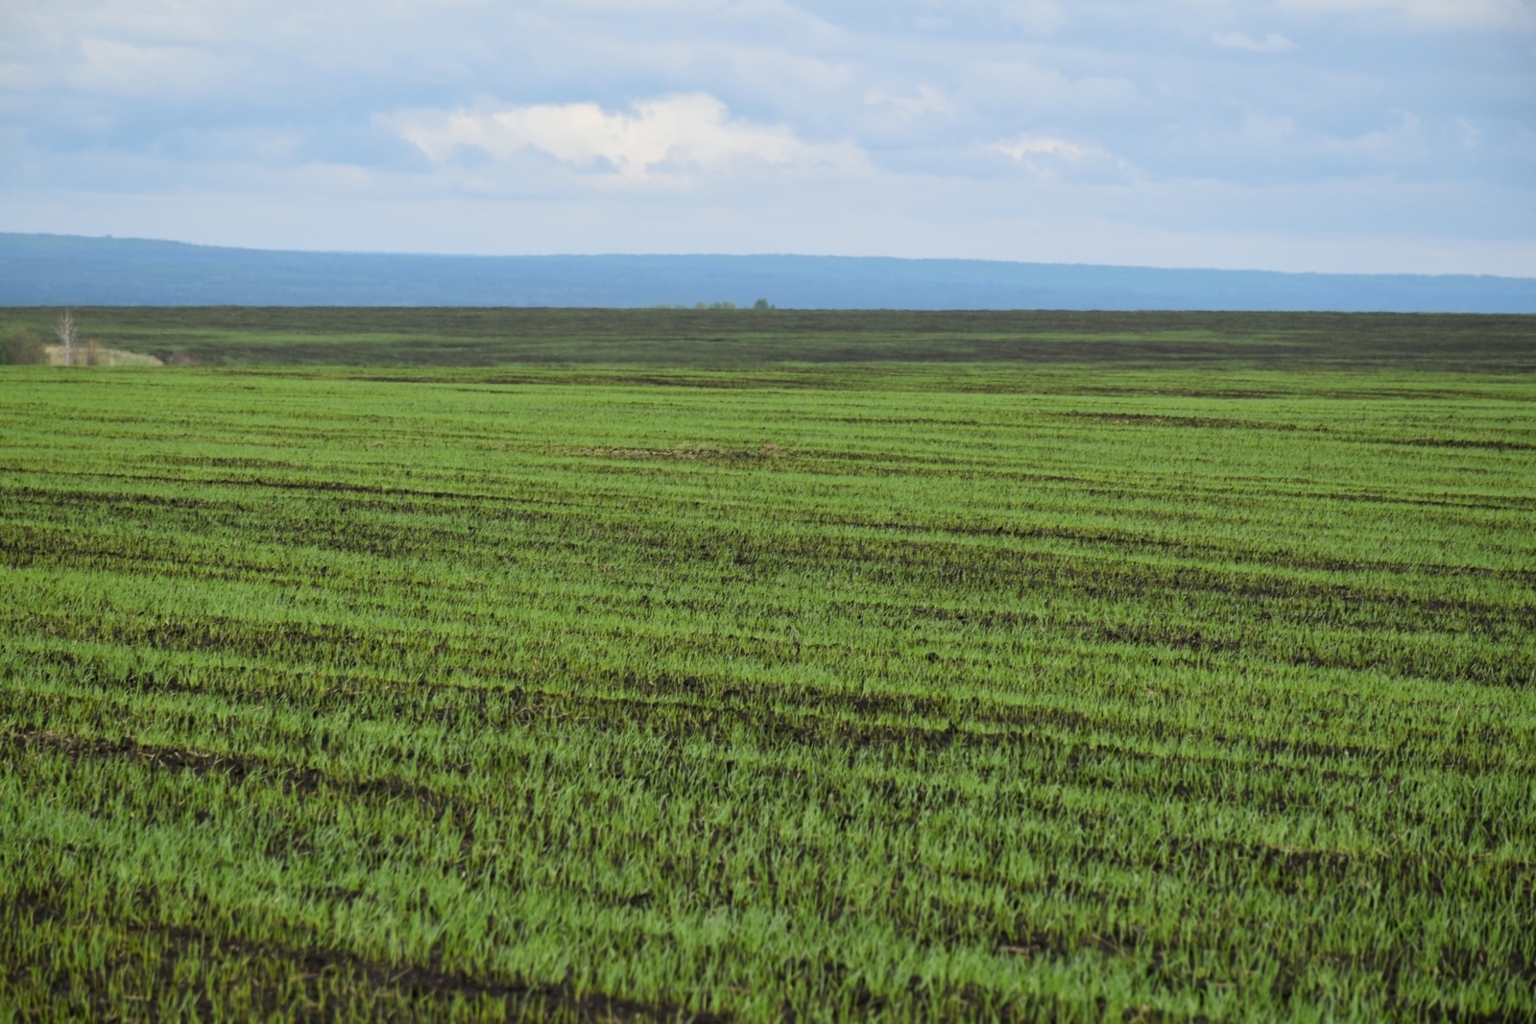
(1170, 688)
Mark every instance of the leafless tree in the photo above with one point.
(65, 329)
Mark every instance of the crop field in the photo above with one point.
(745, 339)
(1113, 672)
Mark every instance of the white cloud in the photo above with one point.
(671, 136)
(1272, 43)
(927, 101)
(1026, 146)
(1050, 158)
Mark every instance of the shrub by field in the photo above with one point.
(1173, 687)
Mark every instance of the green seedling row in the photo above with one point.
(904, 691)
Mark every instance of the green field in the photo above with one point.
(770, 666)
(744, 339)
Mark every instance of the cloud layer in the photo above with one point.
(1292, 134)
(668, 137)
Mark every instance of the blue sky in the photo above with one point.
(1328, 135)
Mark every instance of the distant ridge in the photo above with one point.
(50, 270)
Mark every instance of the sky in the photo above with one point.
(1303, 135)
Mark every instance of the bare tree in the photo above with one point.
(65, 329)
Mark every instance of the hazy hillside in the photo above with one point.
(59, 270)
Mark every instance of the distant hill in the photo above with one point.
(42, 270)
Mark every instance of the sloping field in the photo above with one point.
(238, 336)
(902, 691)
